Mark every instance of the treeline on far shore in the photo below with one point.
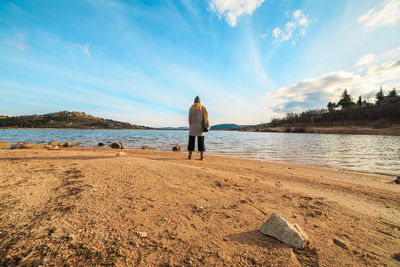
(64, 119)
(381, 114)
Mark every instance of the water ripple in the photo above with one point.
(365, 153)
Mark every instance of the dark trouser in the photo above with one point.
(200, 143)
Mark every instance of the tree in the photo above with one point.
(359, 102)
(346, 100)
(379, 96)
(393, 93)
(331, 106)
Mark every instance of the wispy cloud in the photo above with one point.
(365, 60)
(295, 28)
(370, 59)
(84, 48)
(233, 9)
(311, 93)
(18, 41)
(386, 13)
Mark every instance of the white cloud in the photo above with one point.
(294, 29)
(384, 14)
(365, 60)
(316, 92)
(233, 9)
(375, 59)
(84, 48)
(18, 41)
(297, 13)
(276, 33)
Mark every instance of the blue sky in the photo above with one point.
(144, 61)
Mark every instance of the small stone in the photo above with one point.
(141, 234)
(188, 261)
(290, 234)
(397, 180)
(217, 183)
(56, 147)
(120, 154)
(176, 148)
(100, 144)
(198, 209)
(164, 219)
(53, 143)
(117, 145)
(71, 144)
(229, 207)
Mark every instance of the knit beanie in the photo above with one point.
(197, 99)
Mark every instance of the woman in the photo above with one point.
(198, 123)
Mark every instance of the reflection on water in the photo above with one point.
(365, 153)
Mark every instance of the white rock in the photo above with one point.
(141, 234)
(120, 154)
(290, 234)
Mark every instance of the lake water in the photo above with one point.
(363, 153)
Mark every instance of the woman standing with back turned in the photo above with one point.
(198, 123)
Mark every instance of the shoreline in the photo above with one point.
(88, 206)
(350, 129)
(227, 155)
(289, 163)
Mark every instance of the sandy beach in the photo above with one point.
(88, 206)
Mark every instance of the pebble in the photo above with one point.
(120, 154)
(188, 261)
(199, 209)
(141, 234)
(164, 219)
(229, 207)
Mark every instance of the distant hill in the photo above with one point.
(65, 119)
(360, 117)
(224, 126)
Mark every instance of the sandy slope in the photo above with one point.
(88, 206)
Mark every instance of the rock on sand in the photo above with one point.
(71, 144)
(53, 143)
(117, 145)
(176, 148)
(290, 234)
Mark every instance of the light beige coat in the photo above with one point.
(196, 122)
